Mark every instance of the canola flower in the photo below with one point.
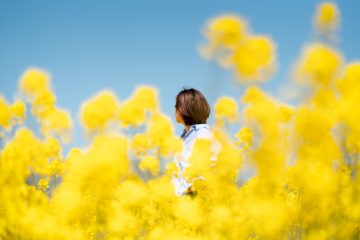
(99, 111)
(229, 42)
(36, 88)
(11, 114)
(306, 157)
(319, 64)
(327, 19)
(134, 110)
(226, 107)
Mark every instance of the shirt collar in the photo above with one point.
(195, 127)
(198, 126)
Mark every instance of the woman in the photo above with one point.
(191, 110)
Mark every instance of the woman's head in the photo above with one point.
(191, 107)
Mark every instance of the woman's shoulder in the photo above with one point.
(204, 133)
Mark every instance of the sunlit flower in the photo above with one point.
(99, 110)
(150, 163)
(226, 108)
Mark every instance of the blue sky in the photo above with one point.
(88, 46)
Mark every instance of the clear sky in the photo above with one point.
(88, 46)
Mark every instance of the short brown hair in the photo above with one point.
(192, 106)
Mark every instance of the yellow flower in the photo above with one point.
(226, 108)
(225, 31)
(171, 146)
(319, 65)
(245, 135)
(253, 95)
(43, 103)
(160, 131)
(133, 111)
(188, 212)
(140, 144)
(99, 110)
(349, 84)
(171, 168)
(286, 113)
(5, 113)
(200, 159)
(57, 121)
(150, 163)
(254, 59)
(43, 184)
(146, 97)
(130, 113)
(52, 147)
(349, 89)
(33, 82)
(56, 167)
(327, 16)
(18, 110)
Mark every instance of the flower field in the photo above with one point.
(305, 156)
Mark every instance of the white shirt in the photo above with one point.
(196, 131)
